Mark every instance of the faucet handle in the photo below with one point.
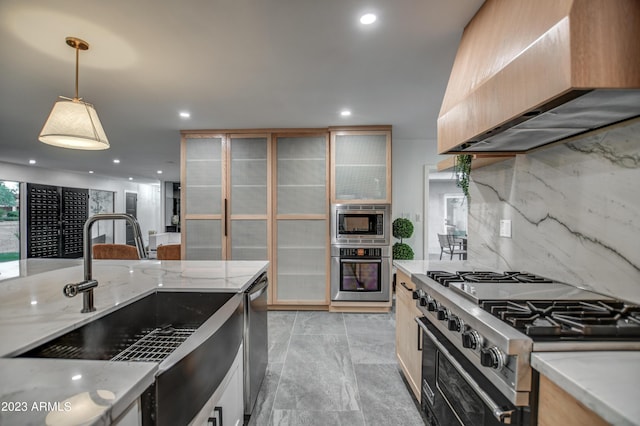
(71, 290)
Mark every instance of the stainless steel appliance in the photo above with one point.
(361, 224)
(360, 252)
(255, 340)
(480, 328)
(360, 273)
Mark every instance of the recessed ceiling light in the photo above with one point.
(32, 161)
(345, 113)
(116, 161)
(130, 178)
(185, 114)
(76, 377)
(368, 19)
(159, 172)
(90, 171)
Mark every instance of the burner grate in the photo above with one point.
(155, 345)
(445, 278)
(568, 318)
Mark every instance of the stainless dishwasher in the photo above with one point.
(255, 340)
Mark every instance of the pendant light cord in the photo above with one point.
(77, 68)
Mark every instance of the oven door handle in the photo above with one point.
(503, 416)
(361, 260)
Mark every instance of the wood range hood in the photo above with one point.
(532, 72)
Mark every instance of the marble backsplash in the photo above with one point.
(575, 212)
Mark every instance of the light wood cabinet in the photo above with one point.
(265, 194)
(408, 333)
(557, 407)
(226, 196)
(301, 219)
(361, 165)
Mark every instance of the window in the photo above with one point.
(9, 220)
(455, 214)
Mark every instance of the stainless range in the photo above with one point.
(480, 328)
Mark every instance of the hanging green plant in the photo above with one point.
(462, 170)
(402, 228)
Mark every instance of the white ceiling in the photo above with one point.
(230, 63)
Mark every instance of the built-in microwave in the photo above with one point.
(360, 224)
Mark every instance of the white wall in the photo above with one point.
(149, 201)
(437, 190)
(409, 156)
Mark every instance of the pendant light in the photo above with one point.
(74, 123)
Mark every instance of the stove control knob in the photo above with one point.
(443, 314)
(455, 323)
(471, 339)
(492, 357)
(432, 305)
(417, 294)
(424, 301)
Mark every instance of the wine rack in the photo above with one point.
(55, 220)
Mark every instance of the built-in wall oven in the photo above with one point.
(360, 252)
(360, 273)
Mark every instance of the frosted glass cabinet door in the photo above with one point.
(202, 207)
(301, 264)
(203, 176)
(361, 167)
(302, 175)
(203, 239)
(248, 188)
(248, 175)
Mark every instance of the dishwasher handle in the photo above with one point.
(258, 288)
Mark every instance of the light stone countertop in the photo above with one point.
(410, 267)
(606, 382)
(33, 310)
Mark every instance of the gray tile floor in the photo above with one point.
(333, 369)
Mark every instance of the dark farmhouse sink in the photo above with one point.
(154, 326)
(194, 336)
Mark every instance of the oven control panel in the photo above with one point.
(357, 253)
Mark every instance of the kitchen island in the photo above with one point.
(33, 310)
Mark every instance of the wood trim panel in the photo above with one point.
(282, 307)
(183, 197)
(205, 132)
(407, 353)
(203, 216)
(557, 407)
(302, 216)
(477, 162)
(364, 129)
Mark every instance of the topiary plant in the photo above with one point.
(402, 228)
(402, 251)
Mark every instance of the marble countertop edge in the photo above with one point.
(604, 381)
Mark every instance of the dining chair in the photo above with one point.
(115, 251)
(168, 252)
(449, 245)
